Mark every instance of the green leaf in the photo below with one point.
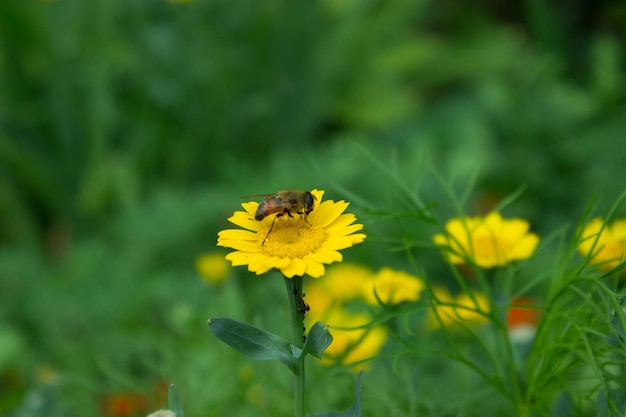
(354, 411)
(317, 340)
(253, 342)
(614, 405)
(175, 404)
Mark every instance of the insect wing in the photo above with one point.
(270, 205)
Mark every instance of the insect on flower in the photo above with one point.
(287, 202)
(302, 246)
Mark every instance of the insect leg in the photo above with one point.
(270, 229)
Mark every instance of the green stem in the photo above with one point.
(294, 294)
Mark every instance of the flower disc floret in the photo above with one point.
(295, 245)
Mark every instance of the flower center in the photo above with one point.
(290, 238)
(490, 247)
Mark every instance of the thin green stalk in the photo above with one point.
(296, 312)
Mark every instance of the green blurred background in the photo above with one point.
(129, 130)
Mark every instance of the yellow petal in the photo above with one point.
(238, 244)
(326, 256)
(243, 219)
(347, 230)
(259, 265)
(515, 228)
(318, 194)
(341, 222)
(526, 247)
(328, 212)
(237, 234)
(238, 258)
(296, 267)
(314, 268)
(343, 242)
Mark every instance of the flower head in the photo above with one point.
(124, 404)
(344, 282)
(523, 318)
(487, 241)
(522, 312)
(351, 343)
(608, 244)
(331, 302)
(295, 245)
(393, 287)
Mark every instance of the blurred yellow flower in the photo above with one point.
(608, 244)
(348, 346)
(354, 345)
(457, 310)
(212, 267)
(345, 282)
(297, 245)
(393, 287)
(487, 241)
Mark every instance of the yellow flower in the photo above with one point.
(609, 248)
(487, 241)
(295, 245)
(457, 310)
(353, 345)
(212, 267)
(344, 282)
(393, 287)
(348, 346)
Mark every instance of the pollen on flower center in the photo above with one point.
(291, 238)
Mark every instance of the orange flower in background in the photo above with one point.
(522, 312)
(608, 244)
(487, 241)
(126, 404)
(295, 245)
(522, 319)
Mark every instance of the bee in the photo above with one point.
(287, 202)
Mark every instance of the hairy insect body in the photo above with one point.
(287, 202)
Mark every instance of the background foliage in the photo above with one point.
(129, 130)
